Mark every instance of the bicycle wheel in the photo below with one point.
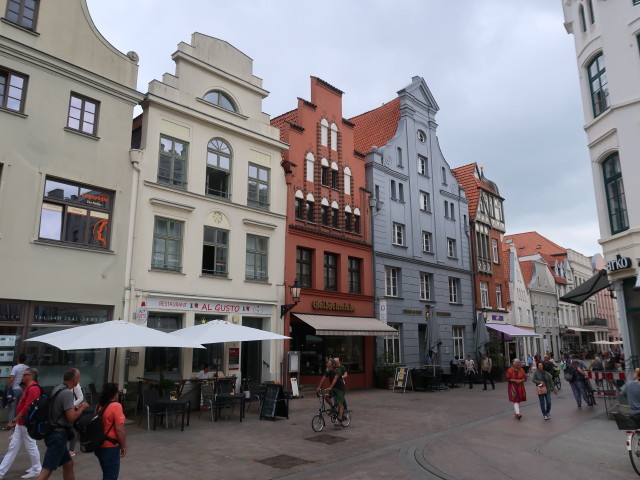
(317, 423)
(346, 418)
(591, 398)
(634, 452)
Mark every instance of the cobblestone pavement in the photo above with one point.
(455, 434)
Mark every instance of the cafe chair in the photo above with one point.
(254, 394)
(208, 398)
(150, 402)
(226, 385)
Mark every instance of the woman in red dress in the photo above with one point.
(516, 377)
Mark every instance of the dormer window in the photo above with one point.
(220, 99)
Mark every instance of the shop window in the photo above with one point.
(316, 350)
(258, 188)
(304, 266)
(76, 214)
(215, 252)
(23, 12)
(330, 271)
(83, 114)
(163, 360)
(257, 266)
(218, 168)
(212, 354)
(167, 244)
(392, 346)
(172, 162)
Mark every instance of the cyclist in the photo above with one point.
(336, 387)
(345, 374)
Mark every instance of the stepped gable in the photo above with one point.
(376, 127)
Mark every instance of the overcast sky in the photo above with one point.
(503, 73)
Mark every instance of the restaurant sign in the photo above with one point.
(217, 307)
(340, 307)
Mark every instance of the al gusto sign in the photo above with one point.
(214, 307)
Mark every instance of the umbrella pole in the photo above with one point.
(113, 371)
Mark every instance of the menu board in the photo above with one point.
(274, 404)
(402, 377)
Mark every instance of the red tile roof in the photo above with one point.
(532, 243)
(527, 270)
(472, 186)
(376, 127)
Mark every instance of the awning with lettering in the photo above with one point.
(592, 286)
(511, 330)
(351, 326)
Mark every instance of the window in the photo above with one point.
(592, 17)
(398, 234)
(304, 267)
(310, 211)
(317, 348)
(399, 157)
(452, 211)
(220, 99)
(215, 252)
(163, 358)
(356, 221)
(484, 294)
(401, 192)
(299, 208)
(334, 137)
(391, 281)
(598, 85)
(83, 114)
(393, 190)
(451, 248)
(423, 166)
(494, 246)
(422, 137)
(218, 168)
(334, 175)
(23, 12)
(257, 267)
(310, 161)
(334, 218)
(614, 188)
(483, 248)
(325, 172)
(330, 271)
(392, 345)
(347, 181)
(425, 286)
(444, 175)
(583, 20)
(258, 192)
(453, 290)
(449, 211)
(425, 201)
(167, 244)
(354, 275)
(12, 89)
(348, 221)
(172, 166)
(498, 296)
(457, 335)
(324, 132)
(426, 242)
(76, 214)
(324, 212)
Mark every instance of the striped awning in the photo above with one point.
(351, 326)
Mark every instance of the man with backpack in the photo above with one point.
(62, 415)
(20, 435)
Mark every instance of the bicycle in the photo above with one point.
(556, 379)
(318, 422)
(631, 425)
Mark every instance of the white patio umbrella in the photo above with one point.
(220, 331)
(113, 334)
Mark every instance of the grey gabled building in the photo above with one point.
(420, 229)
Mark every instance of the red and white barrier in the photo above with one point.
(610, 377)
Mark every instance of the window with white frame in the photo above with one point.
(451, 248)
(457, 336)
(453, 289)
(423, 165)
(172, 164)
(484, 294)
(426, 242)
(398, 234)
(498, 296)
(324, 132)
(218, 168)
(257, 265)
(425, 286)
(347, 181)
(334, 137)
(392, 345)
(310, 166)
(425, 201)
(83, 114)
(496, 254)
(258, 188)
(391, 281)
(220, 99)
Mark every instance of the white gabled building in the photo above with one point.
(209, 224)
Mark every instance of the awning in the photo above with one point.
(351, 326)
(511, 330)
(578, 329)
(592, 286)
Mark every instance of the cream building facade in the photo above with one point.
(65, 180)
(210, 213)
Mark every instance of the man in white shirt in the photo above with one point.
(471, 370)
(14, 383)
(204, 373)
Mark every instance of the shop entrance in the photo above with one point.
(251, 353)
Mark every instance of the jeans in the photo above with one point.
(545, 403)
(487, 376)
(579, 390)
(109, 458)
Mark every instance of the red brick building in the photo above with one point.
(328, 244)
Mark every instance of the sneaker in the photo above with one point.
(518, 416)
(546, 417)
(30, 475)
(71, 452)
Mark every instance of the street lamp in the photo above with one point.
(295, 295)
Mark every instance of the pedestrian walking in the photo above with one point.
(487, 366)
(20, 434)
(515, 385)
(544, 387)
(14, 389)
(115, 446)
(63, 413)
(78, 398)
(578, 384)
(471, 370)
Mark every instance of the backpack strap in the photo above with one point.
(55, 424)
(101, 413)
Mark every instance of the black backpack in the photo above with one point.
(37, 421)
(91, 430)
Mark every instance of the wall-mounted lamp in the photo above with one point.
(612, 291)
(295, 295)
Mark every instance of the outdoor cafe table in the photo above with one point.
(223, 399)
(181, 405)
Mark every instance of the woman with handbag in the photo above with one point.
(516, 377)
(544, 387)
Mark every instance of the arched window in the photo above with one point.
(598, 85)
(324, 132)
(334, 137)
(218, 168)
(299, 205)
(592, 17)
(324, 177)
(324, 212)
(356, 220)
(310, 166)
(220, 99)
(347, 180)
(334, 214)
(614, 191)
(348, 219)
(310, 211)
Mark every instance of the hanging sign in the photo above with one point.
(619, 263)
(141, 315)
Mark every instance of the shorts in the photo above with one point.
(339, 395)
(57, 453)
